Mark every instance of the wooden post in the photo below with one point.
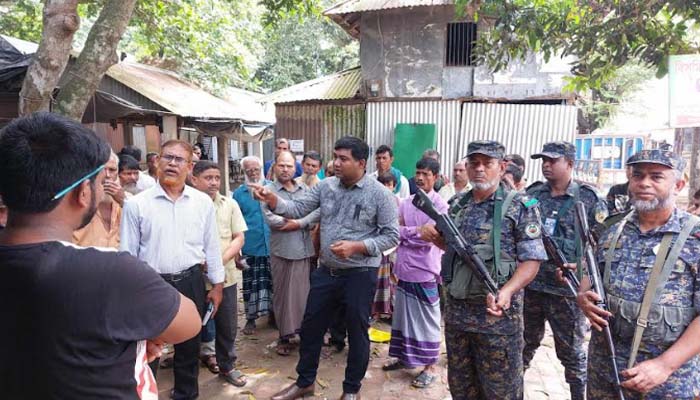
(222, 151)
(170, 127)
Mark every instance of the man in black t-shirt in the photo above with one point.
(79, 322)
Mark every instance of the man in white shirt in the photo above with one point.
(460, 182)
(173, 228)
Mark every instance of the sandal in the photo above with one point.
(423, 380)
(210, 363)
(249, 328)
(393, 366)
(284, 349)
(234, 377)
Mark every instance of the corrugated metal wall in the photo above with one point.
(319, 125)
(522, 128)
(382, 118)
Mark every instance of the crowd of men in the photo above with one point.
(321, 250)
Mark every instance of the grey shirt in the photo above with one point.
(365, 212)
(292, 245)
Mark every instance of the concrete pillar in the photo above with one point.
(222, 152)
(170, 127)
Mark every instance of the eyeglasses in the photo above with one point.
(251, 170)
(78, 182)
(168, 158)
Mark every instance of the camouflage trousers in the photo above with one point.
(569, 328)
(484, 366)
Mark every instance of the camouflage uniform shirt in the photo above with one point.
(597, 212)
(520, 237)
(631, 266)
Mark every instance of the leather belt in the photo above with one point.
(176, 277)
(344, 271)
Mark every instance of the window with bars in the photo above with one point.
(461, 37)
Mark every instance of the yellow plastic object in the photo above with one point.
(377, 336)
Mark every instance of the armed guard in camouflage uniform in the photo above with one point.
(484, 347)
(649, 263)
(546, 299)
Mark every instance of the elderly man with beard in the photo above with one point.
(291, 250)
(82, 320)
(257, 279)
(218, 350)
(484, 347)
(103, 229)
(173, 228)
(649, 262)
(129, 173)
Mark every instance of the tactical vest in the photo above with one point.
(571, 247)
(466, 285)
(647, 320)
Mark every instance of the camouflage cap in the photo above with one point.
(556, 150)
(489, 148)
(662, 157)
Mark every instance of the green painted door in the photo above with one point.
(410, 141)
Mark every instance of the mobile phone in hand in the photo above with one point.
(207, 315)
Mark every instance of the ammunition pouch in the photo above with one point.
(664, 325)
(466, 285)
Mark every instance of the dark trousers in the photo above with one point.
(186, 359)
(355, 292)
(226, 320)
(338, 329)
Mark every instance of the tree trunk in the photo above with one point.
(99, 53)
(694, 183)
(59, 24)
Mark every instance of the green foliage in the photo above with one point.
(602, 104)
(297, 51)
(279, 10)
(249, 44)
(214, 43)
(21, 19)
(602, 35)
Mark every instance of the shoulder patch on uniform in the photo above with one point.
(533, 231)
(528, 202)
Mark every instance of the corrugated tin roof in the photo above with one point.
(176, 95)
(351, 6)
(339, 86)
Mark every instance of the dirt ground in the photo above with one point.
(268, 372)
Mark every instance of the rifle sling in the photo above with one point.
(657, 281)
(499, 211)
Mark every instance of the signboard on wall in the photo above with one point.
(296, 145)
(684, 90)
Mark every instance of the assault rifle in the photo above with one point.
(557, 257)
(456, 242)
(588, 244)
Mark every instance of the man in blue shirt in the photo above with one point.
(257, 279)
(281, 144)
